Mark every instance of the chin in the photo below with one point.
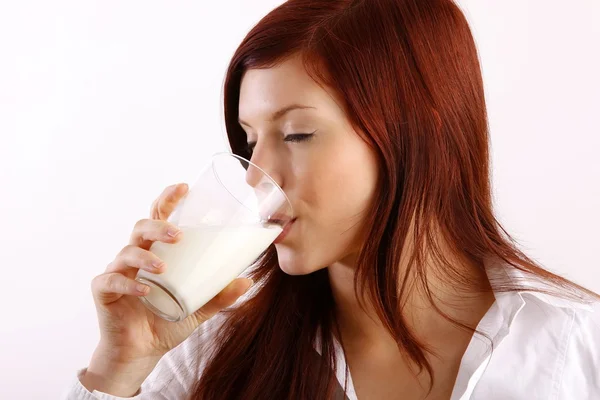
(292, 263)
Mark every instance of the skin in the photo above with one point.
(132, 338)
(329, 174)
(330, 178)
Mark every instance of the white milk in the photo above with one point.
(205, 260)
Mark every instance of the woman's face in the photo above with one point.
(302, 138)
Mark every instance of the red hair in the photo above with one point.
(409, 74)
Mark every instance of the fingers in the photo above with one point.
(164, 205)
(136, 254)
(224, 299)
(147, 231)
(111, 286)
(135, 257)
(118, 278)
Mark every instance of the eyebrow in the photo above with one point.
(281, 112)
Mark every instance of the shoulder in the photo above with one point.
(580, 319)
(587, 321)
(573, 332)
(577, 321)
(559, 313)
(553, 343)
(584, 337)
(581, 371)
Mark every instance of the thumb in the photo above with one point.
(227, 297)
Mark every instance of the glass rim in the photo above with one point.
(230, 154)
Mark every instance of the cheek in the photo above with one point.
(333, 186)
(338, 194)
(344, 184)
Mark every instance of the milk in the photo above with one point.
(205, 260)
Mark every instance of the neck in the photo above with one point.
(362, 326)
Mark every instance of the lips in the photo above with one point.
(286, 230)
(278, 218)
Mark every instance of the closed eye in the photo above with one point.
(292, 138)
(299, 137)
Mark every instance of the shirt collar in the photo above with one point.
(522, 279)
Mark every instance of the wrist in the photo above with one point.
(109, 373)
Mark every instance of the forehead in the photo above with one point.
(264, 91)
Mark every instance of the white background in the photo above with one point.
(104, 103)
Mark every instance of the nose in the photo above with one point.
(262, 174)
(265, 160)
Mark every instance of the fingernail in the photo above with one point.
(156, 265)
(173, 232)
(179, 187)
(141, 288)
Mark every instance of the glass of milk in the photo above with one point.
(228, 218)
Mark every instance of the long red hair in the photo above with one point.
(409, 74)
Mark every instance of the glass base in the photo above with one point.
(161, 302)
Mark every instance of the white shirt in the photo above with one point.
(544, 348)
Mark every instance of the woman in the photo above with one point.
(395, 280)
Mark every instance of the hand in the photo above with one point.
(132, 338)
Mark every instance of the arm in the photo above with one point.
(172, 378)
